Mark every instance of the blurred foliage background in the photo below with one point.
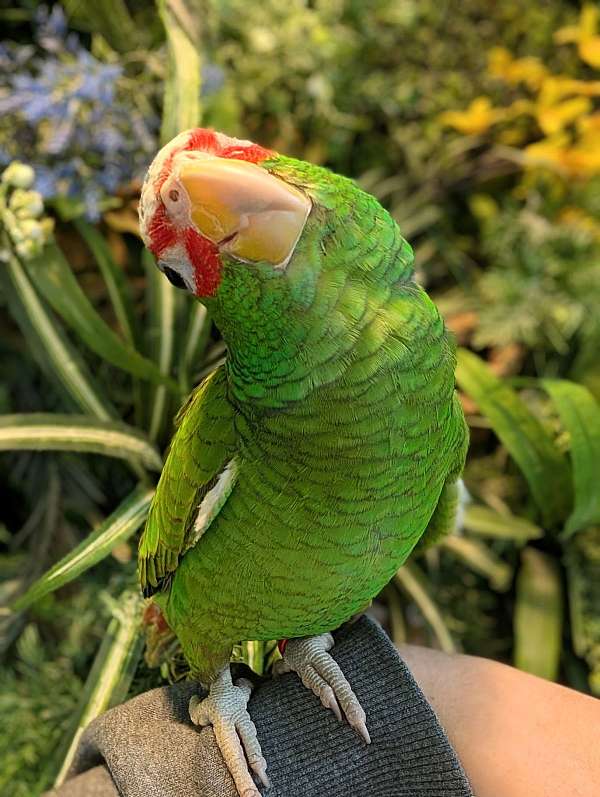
(478, 125)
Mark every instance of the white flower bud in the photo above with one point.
(28, 249)
(32, 229)
(26, 204)
(19, 175)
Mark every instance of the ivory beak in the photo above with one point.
(243, 209)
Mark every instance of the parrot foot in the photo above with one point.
(225, 708)
(309, 657)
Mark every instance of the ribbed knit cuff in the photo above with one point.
(310, 753)
(148, 747)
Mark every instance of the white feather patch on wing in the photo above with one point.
(212, 502)
(464, 499)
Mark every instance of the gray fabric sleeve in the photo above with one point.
(151, 749)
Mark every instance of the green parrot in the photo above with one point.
(306, 468)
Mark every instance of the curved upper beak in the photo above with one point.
(243, 209)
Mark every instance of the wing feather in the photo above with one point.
(198, 475)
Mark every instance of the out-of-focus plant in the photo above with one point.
(101, 349)
(544, 283)
(555, 442)
(360, 87)
(540, 237)
(86, 122)
(555, 122)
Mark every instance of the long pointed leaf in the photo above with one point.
(538, 615)
(395, 615)
(111, 674)
(54, 278)
(117, 527)
(181, 107)
(160, 326)
(60, 359)
(542, 464)
(53, 432)
(194, 343)
(413, 583)
(582, 562)
(483, 521)
(116, 284)
(580, 415)
(477, 556)
(110, 18)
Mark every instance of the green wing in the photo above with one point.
(201, 450)
(446, 516)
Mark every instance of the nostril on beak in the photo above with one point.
(174, 278)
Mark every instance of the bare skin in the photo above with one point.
(516, 735)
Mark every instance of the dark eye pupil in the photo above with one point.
(174, 278)
(173, 195)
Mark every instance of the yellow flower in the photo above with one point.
(551, 152)
(583, 161)
(555, 118)
(476, 119)
(528, 70)
(589, 125)
(589, 51)
(579, 159)
(584, 34)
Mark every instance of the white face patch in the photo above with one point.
(177, 260)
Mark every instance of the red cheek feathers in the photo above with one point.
(202, 253)
(161, 232)
(204, 257)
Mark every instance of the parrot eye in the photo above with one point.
(174, 278)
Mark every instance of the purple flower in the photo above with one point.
(73, 116)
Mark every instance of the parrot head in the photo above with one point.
(292, 260)
(207, 200)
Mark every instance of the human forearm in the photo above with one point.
(516, 735)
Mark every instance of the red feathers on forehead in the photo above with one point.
(207, 140)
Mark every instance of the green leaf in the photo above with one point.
(582, 563)
(580, 415)
(412, 582)
(477, 556)
(161, 324)
(116, 283)
(53, 432)
(117, 527)
(532, 448)
(53, 277)
(111, 674)
(253, 653)
(181, 107)
(482, 520)
(194, 343)
(54, 352)
(538, 615)
(396, 616)
(110, 18)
